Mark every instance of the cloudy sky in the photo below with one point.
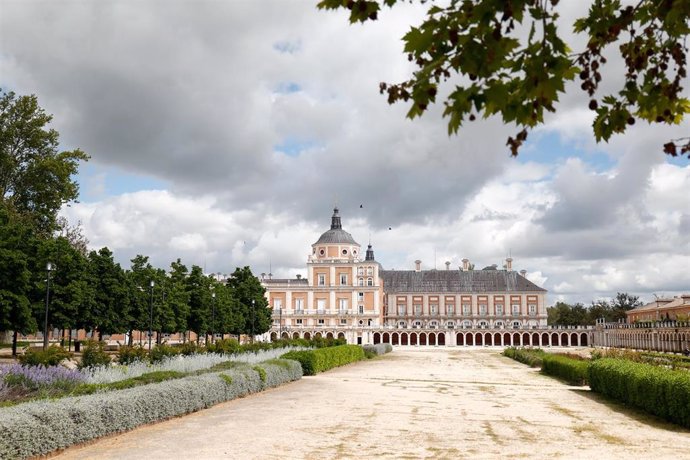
(223, 132)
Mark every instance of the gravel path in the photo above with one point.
(412, 403)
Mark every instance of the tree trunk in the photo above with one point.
(14, 344)
(100, 335)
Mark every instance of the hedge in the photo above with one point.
(531, 357)
(40, 427)
(659, 391)
(573, 370)
(323, 359)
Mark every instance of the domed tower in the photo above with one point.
(335, 244)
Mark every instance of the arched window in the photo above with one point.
(361, 281)
(370, 282)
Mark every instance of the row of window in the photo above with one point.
(466, 309)
(321, 280)
(465, 324)
(322, 322)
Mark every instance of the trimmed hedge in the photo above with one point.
(40, 427)
(323, 359)
(659, 391)
(573, 370)
(531, 357)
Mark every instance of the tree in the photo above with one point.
(15, 277)
(563, 314)
(178, 297)
(253, 314)
(109, 308)
(497, 69)
(35, 178)
(199, 301)
(622, 303)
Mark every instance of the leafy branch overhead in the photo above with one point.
(507, 58)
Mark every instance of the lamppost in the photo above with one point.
(280, 324)
(252, 320)
(49, 268)
(213, 316)
(152, 284)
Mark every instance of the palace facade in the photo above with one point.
(349, 296)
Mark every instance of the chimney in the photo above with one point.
(299, 277)
(509, 264)
(263, 275)
(447, 265)
(418, 265)
(465, 264)
(523, 273)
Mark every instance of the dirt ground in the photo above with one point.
(412, 403)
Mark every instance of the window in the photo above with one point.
(322, 280)
(417, 309)
(483, 324)
(277, 304)
(361, 309)
(532, 309)
(343, 322)
(516, 309)
(342, 305)
(344, 252)
(451, 309)
(361, 282)
(321, 322)
(466, 309)
(466, 324)
(343, 279)
(370, 271)
(516, 324)
(499, 309)
(322, 252)
(498, 324)
(450, 325)
(299, 304)
(320, 305)
(482, 310)
(370, 282)
(360, 296)
(360, 271)
(298, 321)
(401, 309)
(434, 309)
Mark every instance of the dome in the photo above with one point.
(336, 234)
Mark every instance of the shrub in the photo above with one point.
(371, 351)
(40, 427)
(574, 370)
(94, 355)
(190, 348)
(224, 346)
(659, 391)
(130, 354)
(39, 377)
(531, 357)
(52, 356)
(162, 351)
(323, 359)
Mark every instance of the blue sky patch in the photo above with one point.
(287, 46)
(97, 182)
(293, 147)
(550, 148)
(288, 87)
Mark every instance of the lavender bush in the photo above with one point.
(39, 427)
(40, 377)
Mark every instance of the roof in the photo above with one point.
(453, 281)
(663, 304)
(336, 234)
(296, 281)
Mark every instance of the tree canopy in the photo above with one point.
(508, 58)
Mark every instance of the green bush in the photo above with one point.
(530, 356)
(94, 354)
(323, 359)
(129, 354)
(574, 370)
(52, 356)
(224, 346)
(162, 351)
(190, 348)
(657, 390)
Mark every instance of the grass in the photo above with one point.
(19, 345)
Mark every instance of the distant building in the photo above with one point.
(674, 308)
(352, 297)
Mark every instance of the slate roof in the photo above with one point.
(336, 236)
(454, 281)
(295, 281)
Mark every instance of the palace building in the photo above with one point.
(349, 296)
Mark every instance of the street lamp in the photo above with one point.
(49, 268)
(213, 316)
(252, 320)
(152, 284)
